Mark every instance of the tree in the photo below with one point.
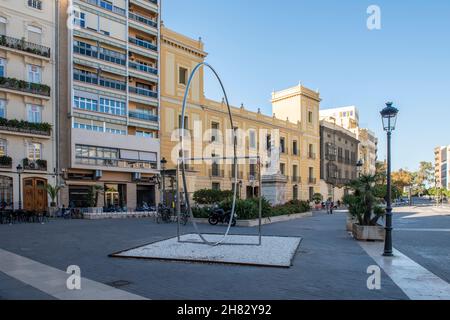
(402, 179)
(93, 194)
(363, 203)
(424, 176)
(52, 191)
(380, 172)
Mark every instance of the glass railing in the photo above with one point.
(141, 19)
(117, 163)
(101, 81)
(143, 44)
(107, 5)
(143, 92)
(143, 116)
(114, 84)
(142, 67)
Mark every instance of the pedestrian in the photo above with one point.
(327, 205)
(331, 207)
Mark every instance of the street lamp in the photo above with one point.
(163, 170)
(389, 117)
(359, 166)
(19, 169)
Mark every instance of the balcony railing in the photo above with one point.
(107, 6)
(311, 155)
(40, 165)
(143, 116)
(22, 126)
(117, 163)
(143, 44)
(216, 173)
(25, 86)
(22, 45)
(295, 179)
(142, 19)
(101, 81)
(240, 174)
(100, 53)
(142, 68)
(113, 84)
(312, 180)
(143, 92)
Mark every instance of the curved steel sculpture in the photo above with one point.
(183, 160)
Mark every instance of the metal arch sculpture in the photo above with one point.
(183, 160)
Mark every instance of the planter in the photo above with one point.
(52, 211)
(350, 222)
(368, 233)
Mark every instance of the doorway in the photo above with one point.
(34, 194)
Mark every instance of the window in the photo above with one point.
(90, 127)
(34, 113)
(2, 68)
(311, 193)
(34, 151)
(2, 108)
(310, 116)
(36, 4)
(294, 148)
(6, 191)
(145, 134)
(295, 173)
(252, 171)
(252, 139)
(311, 154)
(282, 168)
(2, 26)
(182, 75)
(3, 147)
(116, 131)
(85, 103)
(34, 73)
(79, 19)
(214, 131)
(186, 122)
(215, 186)
(282, 145)
(34, 34)
(112, 106)
(295, 193)
(106, 5)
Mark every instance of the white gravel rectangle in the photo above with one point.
(274, 251)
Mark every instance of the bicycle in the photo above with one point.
(163, 214)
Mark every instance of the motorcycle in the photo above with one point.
(219, 215)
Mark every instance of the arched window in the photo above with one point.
(6, 192)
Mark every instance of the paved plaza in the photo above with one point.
(328, 264)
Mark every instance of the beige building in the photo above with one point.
(441, 170)
(27, 102)
(338, 159)
(293, 130)
(109, 101)
(348, 118)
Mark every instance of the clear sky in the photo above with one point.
(260, 45)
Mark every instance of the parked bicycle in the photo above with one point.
(163, 214)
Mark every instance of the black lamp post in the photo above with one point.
(359, 166)
(389, 117)
(19, 169)
(163, 170)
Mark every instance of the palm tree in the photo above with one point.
(53, 191)
(363, 203)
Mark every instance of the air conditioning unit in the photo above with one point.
(136, 176)
(98, 174)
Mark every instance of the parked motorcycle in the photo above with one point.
(219, 215)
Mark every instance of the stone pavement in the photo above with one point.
(328, 265)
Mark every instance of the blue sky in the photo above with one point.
(260, 45)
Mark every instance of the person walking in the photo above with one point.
(331, 207)
(327, 205)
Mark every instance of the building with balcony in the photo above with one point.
(441, 169)
(108, 125)
(348, 118)
(338, 159)
(27, 102)
(293, 130)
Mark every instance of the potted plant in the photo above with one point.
(5, 161)
(364, 207)
(52, 191)
(317, 198)
(94, 192)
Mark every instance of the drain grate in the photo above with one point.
(119, 283)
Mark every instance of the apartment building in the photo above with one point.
(27, 102)
(338, 159)
(441, 170)
(293, 129)
(109, 101)
(348, 118)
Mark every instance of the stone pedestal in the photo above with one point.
(274, 188)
